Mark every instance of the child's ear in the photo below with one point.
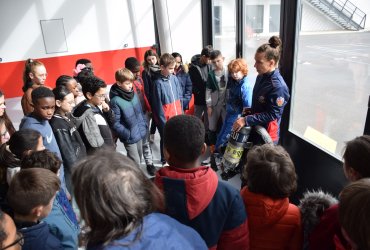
(89, 95)
(162, 67)
(58, 103)
(353, 175)
(31, 75)
(204, 149)
(37, 211)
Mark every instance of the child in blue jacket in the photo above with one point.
(129, 120)
(166, 95)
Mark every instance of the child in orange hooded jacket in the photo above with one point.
(273, 222)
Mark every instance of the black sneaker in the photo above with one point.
(151, 169)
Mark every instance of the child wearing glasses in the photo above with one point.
(65, 131)
(97, 117)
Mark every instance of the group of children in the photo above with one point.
(65, 150)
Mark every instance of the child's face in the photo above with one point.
(2, 105)
(98, 98)
(178, 62)
(73, 87)
(4, 134)
(205, 60)
(166, 71)
(136, 72)
(67, 104)
(237, 76)
(151, 60)
(126, 85)
(44, 108)
(38, 76)
(218, 62)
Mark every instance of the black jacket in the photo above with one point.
(199, 74)
(70, 144)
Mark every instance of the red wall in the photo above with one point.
(105, 65)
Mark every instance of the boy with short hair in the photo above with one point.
(166, 95)
(43, 101)
(274, 223)
(95, 129)
(31, 194)
(194, 195)
(199, 68)
(133, 65)
(62, 220)
(130, 123)
(216, 95)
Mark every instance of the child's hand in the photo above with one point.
(209, 111)
(104, 106)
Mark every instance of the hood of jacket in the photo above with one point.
(263, 210)
(195, 60)
(312, 207)
(200, 185)
(115, 90)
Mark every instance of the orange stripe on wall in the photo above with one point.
(105, 65)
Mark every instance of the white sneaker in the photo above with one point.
(151, 138)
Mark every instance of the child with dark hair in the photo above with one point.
(43, 100)
(62, 220)
(354, 208)
(133, 65)
(151, 67)
(65, 131)
(70, 83)
(356, 166)
(95, 129)
(130, 123)
(20, 144)
(119, 204)
(182, 73)
(199, 68)
(274, 223)
(9, 237)
(34, 76)
(194, 195)
(166, 95)
(31, 195)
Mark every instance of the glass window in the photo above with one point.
(254, 18)
(225, 36)
(261, 21)
(332, 81)
(274, 20)
(217, 19)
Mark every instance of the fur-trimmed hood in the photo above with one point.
(312, 206)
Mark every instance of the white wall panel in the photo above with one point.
(90, 26)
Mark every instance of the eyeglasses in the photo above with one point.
(19, 241)
(102, 96)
